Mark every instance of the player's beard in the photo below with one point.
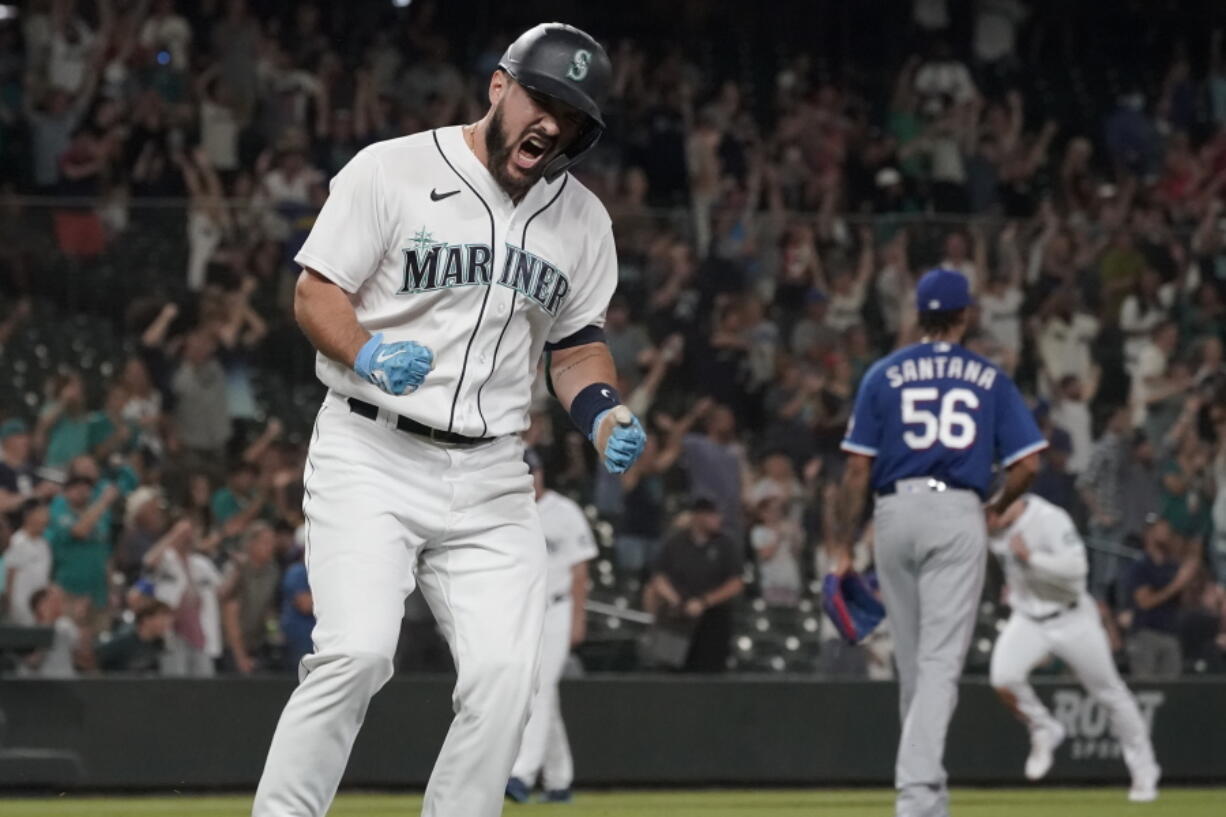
(498, 149)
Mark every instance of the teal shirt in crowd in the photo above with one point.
(225, 504)
(80, 564)
(69, 437)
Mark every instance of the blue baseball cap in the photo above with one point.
(942, 290)
(12, 427)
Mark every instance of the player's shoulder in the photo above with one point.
(876, 372)
(1046, 509)
(400, 147)
(581, 203)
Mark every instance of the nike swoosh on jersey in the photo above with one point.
(437, 196)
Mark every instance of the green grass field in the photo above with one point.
(1039, 802)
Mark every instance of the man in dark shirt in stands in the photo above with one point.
(139, 647)
(1157, 580)
(1054, 482)
(697, 574)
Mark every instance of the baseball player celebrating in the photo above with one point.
(545, 750)
(441, 267)
(1045, 574)
(929, 422)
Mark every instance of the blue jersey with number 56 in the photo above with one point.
(939, 410)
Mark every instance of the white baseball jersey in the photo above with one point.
(1043, 623)
(432, 250)
(1055, 575)
(568, 538)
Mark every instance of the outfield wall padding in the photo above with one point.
(625, 730)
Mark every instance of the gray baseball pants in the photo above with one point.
(931, 552)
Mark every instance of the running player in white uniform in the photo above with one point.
(441, 267)
(1045, 569)
(545, 750)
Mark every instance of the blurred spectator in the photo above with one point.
(714, 461)
(19, 480)
(79, 534)
(187, 581)
(1131, 137)
(1142, 310)
(1155, 381)
(847, 291)
(240, 501)
(1156, 582)
(1000, 303)
(1142, 489)
(1065, 336)
(1186, 489)
(697, 574)
(137, 647)
(61, 658)
(144, 522)
(812, 335)
(288, 189)
(64, 424)
(1070, 411)
(777, 541)
(167, 35)
(627, 341)
(637, 538)
(27, 563)
(248, 594)
(1102, 489)
(995, 38)
(59, 113)
(202, 416)
(1202, 623)
(297, 616)
(943, 81)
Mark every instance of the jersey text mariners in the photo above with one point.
(431, 249)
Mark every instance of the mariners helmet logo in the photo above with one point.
(578, 65)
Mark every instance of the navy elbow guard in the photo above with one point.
(590, 403)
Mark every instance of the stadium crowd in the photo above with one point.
(768, 237)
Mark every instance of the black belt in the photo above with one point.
(935, 486)
(371, 412)
(1072, 605)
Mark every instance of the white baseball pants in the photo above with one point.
(545, 749)
(386, 511)
(1077, 638)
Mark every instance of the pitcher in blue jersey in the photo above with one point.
(931, 422)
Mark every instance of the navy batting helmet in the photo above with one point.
(564, 63)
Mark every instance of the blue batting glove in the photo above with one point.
(396, 368)
(624, 445)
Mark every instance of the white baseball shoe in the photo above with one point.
(1043, 743)
(1145, 786)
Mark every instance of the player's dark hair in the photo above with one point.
(156, 608)
(939, 321)
(36, 598)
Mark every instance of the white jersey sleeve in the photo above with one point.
(1058, 553)
(586, 306)
(349, 240)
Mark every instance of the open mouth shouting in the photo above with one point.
(531, 151)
